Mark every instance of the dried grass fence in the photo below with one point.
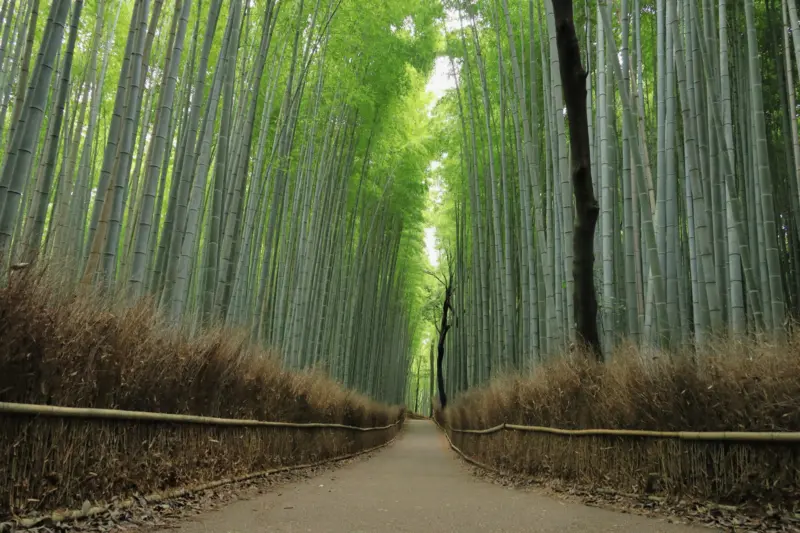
(725, 466)
(57, 457)
(65, 345)
(668, 417)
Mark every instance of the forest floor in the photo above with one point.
(416, 484)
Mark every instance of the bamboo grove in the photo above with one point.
(695, 162)
(259, 165)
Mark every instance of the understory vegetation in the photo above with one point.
(740, 387)
(62, 347)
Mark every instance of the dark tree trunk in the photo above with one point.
(430, 380)
(443, 328)
(416, 395)
(573, 78)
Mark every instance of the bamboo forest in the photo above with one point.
(293, 168)
(244, 237)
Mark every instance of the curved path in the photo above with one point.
(415, 485)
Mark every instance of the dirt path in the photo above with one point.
(415, 485)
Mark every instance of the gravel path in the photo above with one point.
(415, 485)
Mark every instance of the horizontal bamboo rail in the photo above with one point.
(114, 414)
(718, 436)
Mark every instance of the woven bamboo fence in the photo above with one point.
(724, 466)
(59, 457)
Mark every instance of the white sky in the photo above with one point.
(440, 82)
(430, 246)
(430, 231)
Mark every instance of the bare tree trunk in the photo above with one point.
(416, 394)
(444, 327)
(573, 77)
(430, 380)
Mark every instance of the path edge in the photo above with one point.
(466, 457)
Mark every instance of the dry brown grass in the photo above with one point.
(61, 346)
(737, 387)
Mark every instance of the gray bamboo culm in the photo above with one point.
(113, 414)
(719, 436)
